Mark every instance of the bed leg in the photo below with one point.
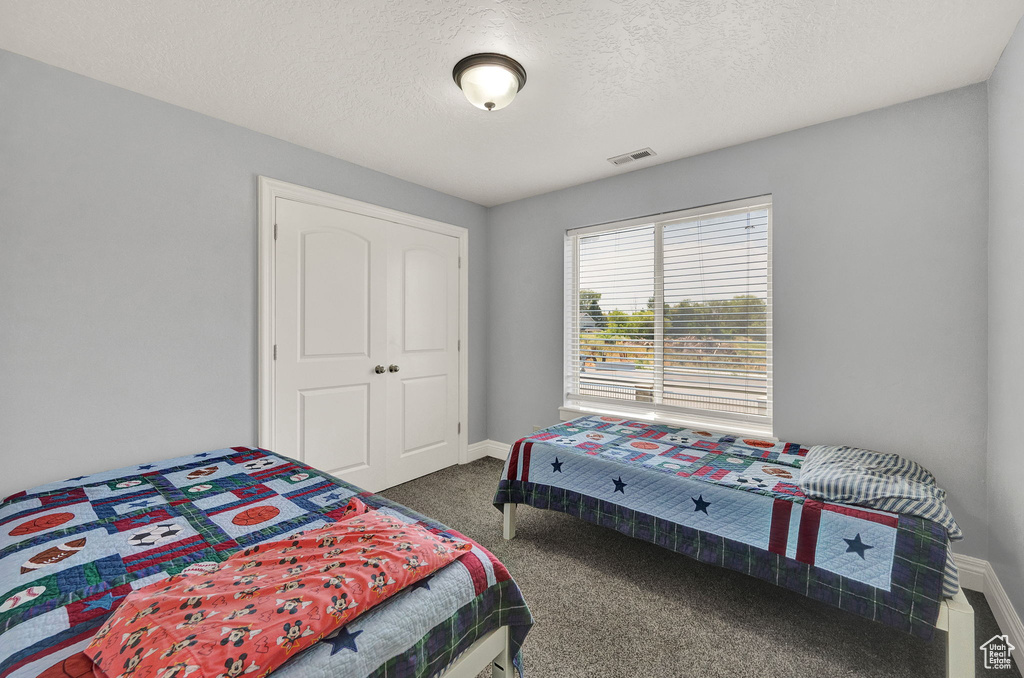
(502, 667)
(960, 638)
(509, 523)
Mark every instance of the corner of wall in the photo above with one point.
(487, 268)
(1005, 392)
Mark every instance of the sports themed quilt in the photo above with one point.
(71, 551)
(735, 502)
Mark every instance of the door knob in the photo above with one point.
(379, 369)
(393, 368)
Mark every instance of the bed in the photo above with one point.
(735, 502)
(69, 551)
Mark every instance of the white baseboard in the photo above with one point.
(488, 448)
(972, 572)
(977, 574)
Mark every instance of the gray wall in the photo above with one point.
(128, 272)
(1006, 319)
(121, 214)
(879, 283)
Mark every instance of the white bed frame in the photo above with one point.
(492, 649)
(956, 618)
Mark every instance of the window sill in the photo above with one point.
(574, 410)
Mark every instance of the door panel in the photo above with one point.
(330, 290)
(425, 301)
(424, 413)
(423, 334)
(335, 294)
(334, 432)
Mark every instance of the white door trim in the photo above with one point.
(269, 191)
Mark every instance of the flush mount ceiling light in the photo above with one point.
(490, 81)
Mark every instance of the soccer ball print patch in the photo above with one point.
(758, 481)
(258, 464)
(155, 535)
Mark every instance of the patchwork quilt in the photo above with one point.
(71, 551)
(735, 502)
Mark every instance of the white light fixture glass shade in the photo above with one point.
(489, 81)
(489, 87)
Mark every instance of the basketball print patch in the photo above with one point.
(41, 523)
(257, 515)
(75, 666)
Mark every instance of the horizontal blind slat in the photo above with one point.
(714, 351)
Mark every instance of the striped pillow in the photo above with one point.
(950, 576)
(887, 482)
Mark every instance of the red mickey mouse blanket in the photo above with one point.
(266, 603)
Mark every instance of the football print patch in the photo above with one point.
(53, 555)
(202, 472)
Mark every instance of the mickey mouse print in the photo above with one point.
(268, 602)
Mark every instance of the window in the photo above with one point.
(669, 318)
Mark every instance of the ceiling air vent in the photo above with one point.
(630, 157)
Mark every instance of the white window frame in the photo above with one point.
(574, 406)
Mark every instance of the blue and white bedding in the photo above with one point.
(70, 551)
(888, 482)
(736, 502)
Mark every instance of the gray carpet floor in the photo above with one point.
(612, 606)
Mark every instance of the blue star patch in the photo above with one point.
(855, 545)
(700, 505)
(103, 603)
(343, 640)
(619, 486)
(556, 465)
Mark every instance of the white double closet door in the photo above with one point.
(366, 323)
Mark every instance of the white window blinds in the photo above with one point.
(670, 318)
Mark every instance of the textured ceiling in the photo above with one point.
(370, 81)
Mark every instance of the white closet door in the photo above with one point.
(330, 406)
(423, 335)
